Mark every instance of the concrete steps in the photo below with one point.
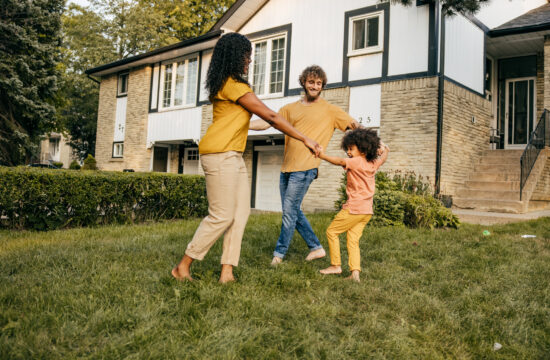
(493, 186)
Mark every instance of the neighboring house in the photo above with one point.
(55, 148)
(383, 63)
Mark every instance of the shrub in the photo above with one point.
(404, 199)
(42, 199)
(89, 163)
(74, 165)
(57, 164)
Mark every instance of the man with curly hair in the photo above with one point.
(317, 119)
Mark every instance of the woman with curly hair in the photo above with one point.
(366, 153)
(221, 150)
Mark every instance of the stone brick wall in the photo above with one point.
(539, 83)
(547, 72)
(408, 125)
(463, 139)
(136, 154)
(542, 191)
(323, 191)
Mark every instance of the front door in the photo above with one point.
(520, 112)
(160, 159)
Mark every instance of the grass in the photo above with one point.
(107, 293)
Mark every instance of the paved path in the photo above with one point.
(491, 218)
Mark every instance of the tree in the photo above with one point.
(451, 7)
(29, 52)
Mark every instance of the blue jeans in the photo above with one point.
(293, 187)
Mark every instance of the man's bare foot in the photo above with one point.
(181, 275)
(316, 254)
(276, 261)
(227, 274)
(331, 270)
(354, 276)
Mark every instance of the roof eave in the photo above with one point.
(519, 30)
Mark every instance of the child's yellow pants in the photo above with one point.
(354, 225)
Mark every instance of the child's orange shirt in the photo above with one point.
(361, 184)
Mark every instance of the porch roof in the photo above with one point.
(535, 20)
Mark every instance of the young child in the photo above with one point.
(366, 154)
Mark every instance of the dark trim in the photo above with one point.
(199, 80)
(151, 89)
(406, 76)
(203, 102)
(519, 30)
(423, 2)
(227, 15)
(272, 31)
(254, 176)
(113, 150)
(464, 86)
(208, 36)
(158, 87)
(363, 11)
(477, 23)
(440, 98)
(484, 55)
(181, 154)
(433, 40)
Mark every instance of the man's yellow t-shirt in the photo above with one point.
(315, 120)
(229, 128)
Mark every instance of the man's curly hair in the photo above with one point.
(230, 53)
(366, 140)
(315, 71)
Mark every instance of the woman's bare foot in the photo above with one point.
(354, 276)
(227, 274)
(182, 271)
(333, 269)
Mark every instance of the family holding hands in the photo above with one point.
(308, 125)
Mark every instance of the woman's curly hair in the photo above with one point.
(230, 53)
(366, 140)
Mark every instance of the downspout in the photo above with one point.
(440, 96)
(91, 78)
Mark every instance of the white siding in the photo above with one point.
(206, 57)
(317, 32)
(408, 42)
(275, 105)
(365, 67)
(464, 57)
(155, 87)
(174, 125)
(120, 119)
(364, 104)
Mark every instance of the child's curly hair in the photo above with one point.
(366, 140)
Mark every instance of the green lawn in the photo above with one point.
(107, 293)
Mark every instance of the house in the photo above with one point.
(54, 148)
(455, 101)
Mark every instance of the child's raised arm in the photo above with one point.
(332, 159)
(383, 151)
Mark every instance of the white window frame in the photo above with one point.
(369, 49)
(120, 82)
(174, 63)
(269, 44)
(118, 149)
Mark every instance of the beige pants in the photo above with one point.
(228, 196)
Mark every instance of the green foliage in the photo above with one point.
(42, 199)
(451, 7)
(89, 163)
(404, 199)
(29, 53)
(74, 165)
(58, 164)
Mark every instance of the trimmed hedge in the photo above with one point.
(43, 199)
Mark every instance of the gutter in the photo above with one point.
(91, 78)
(440, 96)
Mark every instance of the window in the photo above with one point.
(123, 84)
(192, 154)
(54, 147)
(179, 82)
(267, 69)
(366, 34)
(118, 149)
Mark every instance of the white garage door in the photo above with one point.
(267, 178)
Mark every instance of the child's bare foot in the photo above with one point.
(181, 274)
(227, 274)
(354, 276)
(331, 270)
(316, 254)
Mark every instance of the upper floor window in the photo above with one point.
(267, 69)
(366, 34)
(123, 84)
(179, 82)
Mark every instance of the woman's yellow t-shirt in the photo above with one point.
(229, 128)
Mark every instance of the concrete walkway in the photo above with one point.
(492, 218)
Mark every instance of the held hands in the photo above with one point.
(313, 146)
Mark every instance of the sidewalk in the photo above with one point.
(492, 218)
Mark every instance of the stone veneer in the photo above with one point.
(408, 125)
(136, 154)
(463, 139)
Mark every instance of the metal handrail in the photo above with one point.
(537, 142)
